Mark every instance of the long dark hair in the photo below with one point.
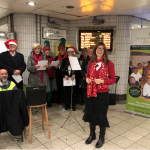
(105, 55)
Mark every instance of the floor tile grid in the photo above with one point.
(13, 140)
(57, 137)
(71, 132)
(112, 131)
(128, 130)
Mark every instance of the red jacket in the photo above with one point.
(51, 71)
(112, 75)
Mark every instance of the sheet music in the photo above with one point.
(42, 63)
(69, 82)
(54, 63)
(17, 78)
(74, 63)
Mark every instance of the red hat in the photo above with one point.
(72, 49)
(11, 41)
(47, 46)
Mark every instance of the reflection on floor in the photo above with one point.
(126, 131)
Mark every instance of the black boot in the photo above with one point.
(67, 107)
(74, 107)
(101, 140)
(49, 104)
(92, 134)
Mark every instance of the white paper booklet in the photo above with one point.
(69, 82)
(17, 78)
(42, 63)
(74, 63)
(54, 63)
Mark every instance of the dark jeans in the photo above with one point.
(59, 82)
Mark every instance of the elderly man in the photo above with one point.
(13, 62)
(4, 83)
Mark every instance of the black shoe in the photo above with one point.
(74, 107)
(90, 139)
(49, 105)
(67, 107)
(100, 142)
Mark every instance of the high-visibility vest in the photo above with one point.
(11, 86)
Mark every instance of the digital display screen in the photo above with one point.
(90, 38)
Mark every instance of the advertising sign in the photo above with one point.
(138, 92)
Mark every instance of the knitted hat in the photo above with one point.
(11, 41)
(47, 46)
(73, 49)
(62, 44)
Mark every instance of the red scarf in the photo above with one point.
(60, 58)
(103, 74)
(83, 57)
(38, 57)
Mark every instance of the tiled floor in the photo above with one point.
(126, 131)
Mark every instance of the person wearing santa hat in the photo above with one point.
(13, 62)
(74, 75)
(50, 72)
(62, 56)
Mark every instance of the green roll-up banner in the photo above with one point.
(138, 91)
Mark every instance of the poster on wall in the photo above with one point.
(53, 34)
(138, 91)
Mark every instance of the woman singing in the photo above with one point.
(100, 74)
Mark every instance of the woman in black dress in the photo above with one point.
(100, 74)
(67, 73)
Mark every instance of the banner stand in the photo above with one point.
(134, 113)
(138, 89)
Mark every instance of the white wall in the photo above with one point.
(121, 41)
(3, 48)
(25, 28)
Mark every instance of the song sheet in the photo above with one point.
(74, 63)
(42, 63)
(69, 82)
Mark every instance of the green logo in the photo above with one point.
(135, 91)
(149, 33)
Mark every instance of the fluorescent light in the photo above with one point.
(2, 34)
(31, 3)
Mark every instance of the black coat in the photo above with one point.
(66, 92)
(11, 64)
(58, 72)
(13, 112)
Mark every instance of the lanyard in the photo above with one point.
(2, 88)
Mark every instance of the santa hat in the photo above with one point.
(11, 41)
(47, 46)
(62, 44)
(71, 49)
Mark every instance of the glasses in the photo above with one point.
(90, 51)
(100, 49)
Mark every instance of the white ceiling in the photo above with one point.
(83, 8)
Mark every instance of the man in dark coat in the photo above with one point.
(13, 62)
(58, 73)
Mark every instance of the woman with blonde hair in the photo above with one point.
(100, 74)
(37, 76)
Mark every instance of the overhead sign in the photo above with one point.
(11, 35)
(50, 33)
